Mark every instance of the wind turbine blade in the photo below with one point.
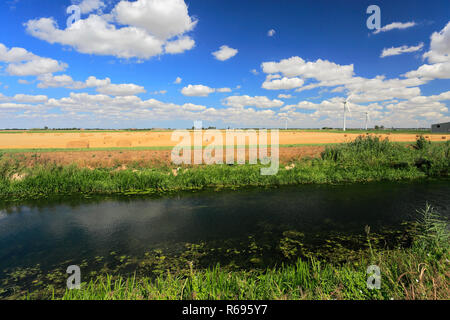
(350, 97)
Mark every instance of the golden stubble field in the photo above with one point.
(77, 140)
(97, 149)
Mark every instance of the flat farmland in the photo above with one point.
(122, 149)
(162, 139)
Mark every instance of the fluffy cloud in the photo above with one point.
(120, 106)
(94, 82)
(180, 45)
(178, 80)
(198, 90)
(66, 81)
(102, 108)
(247, 101)
(283, 84)
(440, 46)
(24, 63)
(271, 33)
(224, 53)
(35, 67)
(394, 51)
(99, 107)
(430, 72)
(140, 29)
(272, 76)
(330, 74)
(15, 55)
(95, 35)
(14, 107)
(59, 81)
(321, 70)
(161, 18)
(395, 25)
(284, 96)
(25, 98)
(87, 6)
(125, 89)
(438, 57)
(103, 86)
(386, 94)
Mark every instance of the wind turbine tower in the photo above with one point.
(367, 118)
(286, 119)
(346, 108)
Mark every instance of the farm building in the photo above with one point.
(441, 127)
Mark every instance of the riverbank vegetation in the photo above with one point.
(420, 271)
(365, 159)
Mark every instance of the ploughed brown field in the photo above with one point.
(140, 158)
(134, 157)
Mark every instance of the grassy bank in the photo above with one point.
(418, 272)
(365, 159)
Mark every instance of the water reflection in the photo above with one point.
(52, 231)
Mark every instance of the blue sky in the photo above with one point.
(117, 66)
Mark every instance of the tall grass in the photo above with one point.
(413, 273)
(365, 159)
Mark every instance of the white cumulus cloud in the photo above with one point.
(180, 45)
(161, 18)
(140, 29)
(25, 98)
(35, 67)
(394, 51)
(395, 25)
(125, 89)
(198, 90)
(440, 46)
(21, 62)
(224, 53)
(283, 84)
(178, 80)
(247, 101)
(87, 6)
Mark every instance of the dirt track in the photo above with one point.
(163, 139)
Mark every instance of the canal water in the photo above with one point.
(244, 228)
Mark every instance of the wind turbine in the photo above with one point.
(286, 121)
(367, 118)
(346, 108)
